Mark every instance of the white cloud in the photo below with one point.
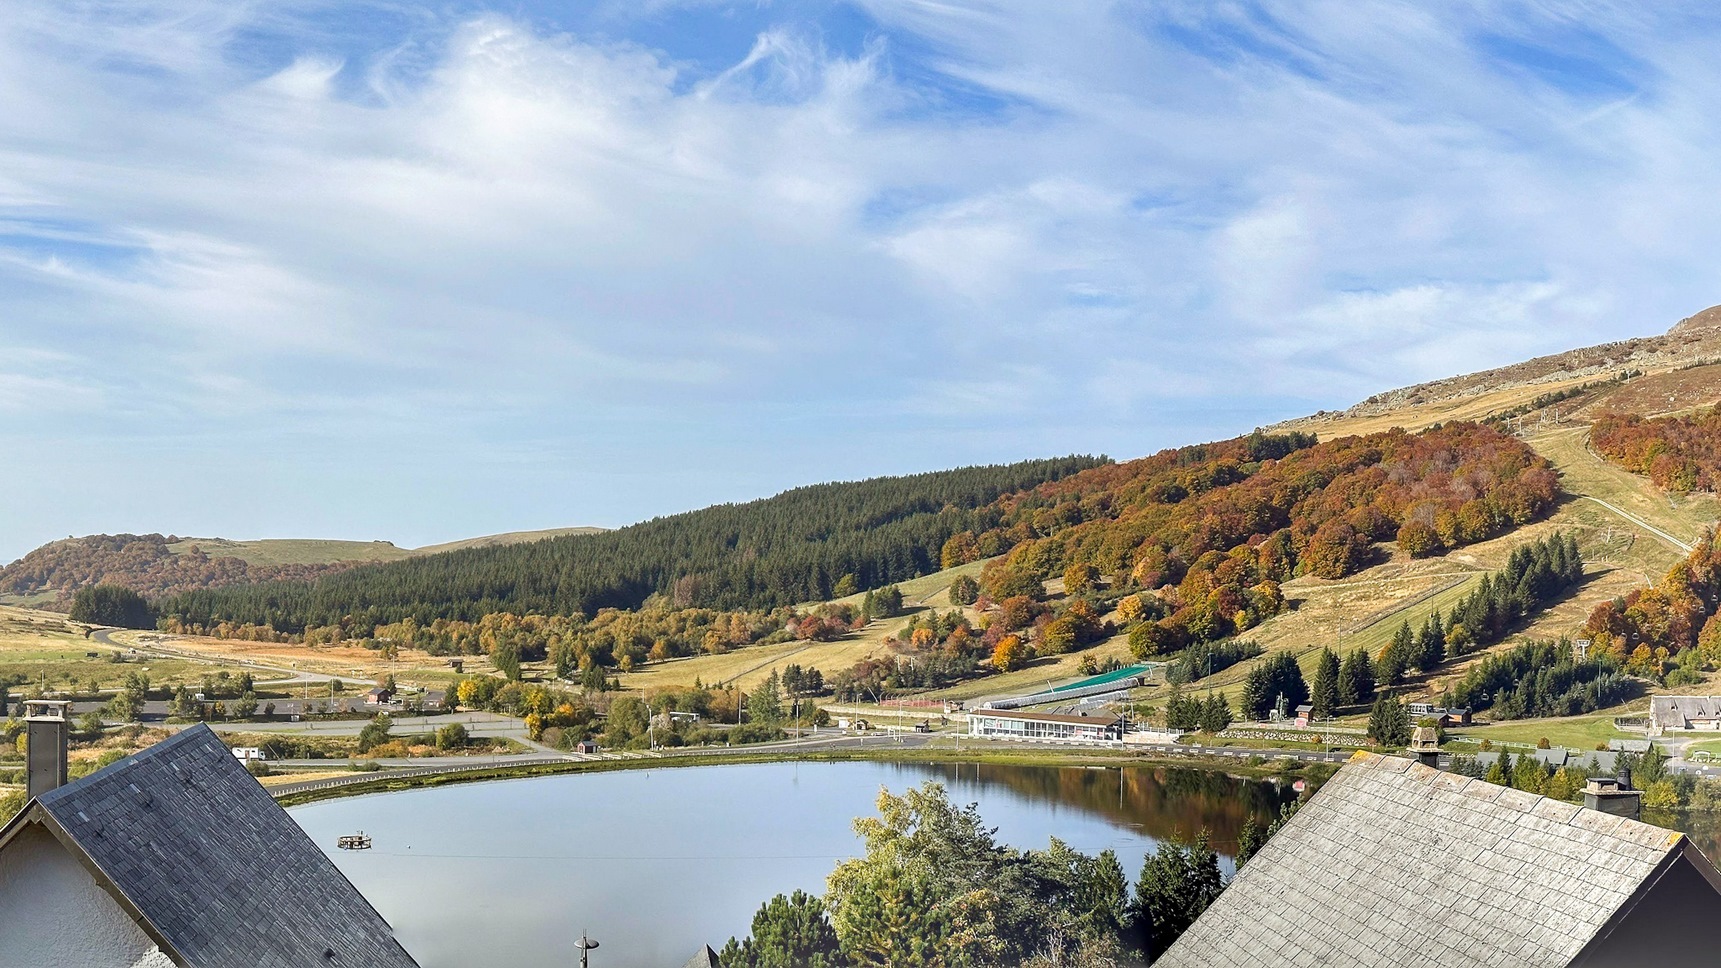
(981, 230)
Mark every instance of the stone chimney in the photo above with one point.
(1613, 795)
(1425, 745)
(46, 726)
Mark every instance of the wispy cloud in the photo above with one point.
(374, 259)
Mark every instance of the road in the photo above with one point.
(1634, 519)
(823, 742)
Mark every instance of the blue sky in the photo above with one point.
(422, 271)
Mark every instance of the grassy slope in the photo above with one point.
(1362, 610)
(507, 538)
(316, 551)
(35, 643)
(293, 551)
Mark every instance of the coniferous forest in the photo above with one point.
(801, 545)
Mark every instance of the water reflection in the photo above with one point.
(656, 863)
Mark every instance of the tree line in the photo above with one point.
(1679, 454)
(799, 546)
(1534, 576)
(1543, 678)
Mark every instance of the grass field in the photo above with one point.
(1415, 417)
(43, 648)
(1576, 732)
(316, 551)
(293, 551)
(350, 662)
(508, 538)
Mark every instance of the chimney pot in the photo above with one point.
(45, 725)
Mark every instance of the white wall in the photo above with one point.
(53, 914)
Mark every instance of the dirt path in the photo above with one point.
(1645, 525)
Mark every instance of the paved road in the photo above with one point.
(429, 766)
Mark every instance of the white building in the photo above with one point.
(1021, 724)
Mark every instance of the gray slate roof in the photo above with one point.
(216, 866)
(1673, 712)
(1394, 863)
(1580, 760)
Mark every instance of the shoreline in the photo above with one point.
(1009, 756)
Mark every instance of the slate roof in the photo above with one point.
(1394, 863)
(1674, 712)
(218, 870)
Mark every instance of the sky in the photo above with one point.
(421, 271)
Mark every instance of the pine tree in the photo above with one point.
(1356, 679)
(1396, 658)
(1257, 700)
(1215, 713)
(1430, 645)
(1323, 696)
(1389, 723)
(788, 932)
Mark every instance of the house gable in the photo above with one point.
(1395, 863)
(55, 914)
(1659, 927)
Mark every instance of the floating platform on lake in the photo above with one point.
(358, 841)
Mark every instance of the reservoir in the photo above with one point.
(654, 863)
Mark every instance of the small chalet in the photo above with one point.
(585, 746)
(380, 696)
(1397, 863)
(173, 858)
(1442, 715)
(1305, 716)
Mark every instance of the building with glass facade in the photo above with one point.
(1020, 724)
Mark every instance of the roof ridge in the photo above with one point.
(148, 753)
(1509, 797)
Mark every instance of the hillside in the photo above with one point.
(1679, 360)
(158, 565)
(800, 545)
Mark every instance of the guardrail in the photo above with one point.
(372, 776)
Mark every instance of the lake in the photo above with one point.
(655, 863)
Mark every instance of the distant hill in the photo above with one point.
(1649, 375)
(158, 565)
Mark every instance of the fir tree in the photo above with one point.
(1324, 694)
(1389, 723)
(1396, 658)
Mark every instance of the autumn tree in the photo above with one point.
(1079, 578)
(960, 549)
(964, 590)
(1010, 654)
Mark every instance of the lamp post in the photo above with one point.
(585, 945)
